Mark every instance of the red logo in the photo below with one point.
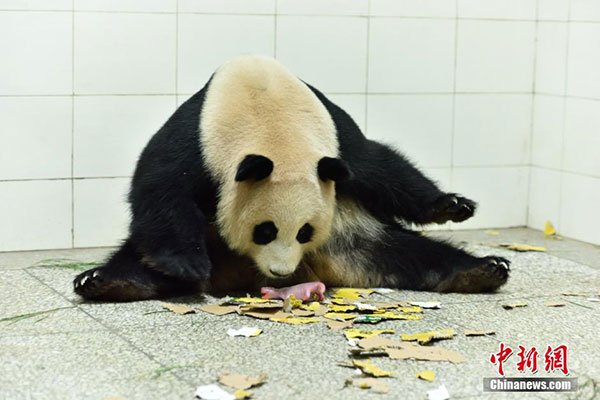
(500, 357)
(527, 360)
(555, 359)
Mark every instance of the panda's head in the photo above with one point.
(277, 218)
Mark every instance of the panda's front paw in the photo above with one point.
(188, 267)
(90, 284)
(452, 207)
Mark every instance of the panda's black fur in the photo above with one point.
(173, 244)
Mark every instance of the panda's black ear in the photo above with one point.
(254, 167)
(334, 169)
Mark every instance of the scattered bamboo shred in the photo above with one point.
(178, 308)
(522, 247)
(297, 320)
(470, 332)
(510, 306)
(549, 229)
(369, 369)
(426, 375)
(426, 337)
(369, 383)
(337, 325)
(240, 381)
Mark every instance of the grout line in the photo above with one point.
(564, 120)
(566, 171)
(532, 112)
(366, 94)
(74, 178)
(453, 121)
(72, 123)
(450, 93)
(275, 22)
(358, 15)
(176, 50)
(107, 327)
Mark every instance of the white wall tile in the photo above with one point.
(505, 9)
(579, 207)
(492, 129)
(35, 215)
(228, 6)
(182, 98)
(354, 105)
(327, 52)
(582, 137)
(111, 132)
(36, 5)
(411, 55)
(101, 211)
(36, 53)
(544, 198)
(584, 60)
(35, 137)
(500, 192)
(547, 136)
(411, 8)
(418, 125)
(320, 7)
(124, 53)
(551, 57)
(553, 10)
(126, 5)
(585, 10)
(441, 176)
(207, 41)
(495, 56)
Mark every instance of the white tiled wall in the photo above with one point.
(498, 100)
(565, 159)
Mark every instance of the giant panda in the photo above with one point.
(259, 179)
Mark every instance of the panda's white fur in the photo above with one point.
(255, 106)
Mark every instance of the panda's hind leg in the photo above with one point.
(411, 261)
(126, 277)
(487, 275)
(439, 266)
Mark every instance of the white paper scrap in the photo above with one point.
(440, 393)
(244, 331)
(427, 304)
(213, 392)
(365, 306)
(382, 290)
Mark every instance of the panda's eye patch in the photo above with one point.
(264, 233)
(305, 233)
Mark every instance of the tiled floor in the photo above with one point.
(79, 350)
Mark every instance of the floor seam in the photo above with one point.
(110, 329)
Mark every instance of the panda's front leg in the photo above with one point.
(449, 207)
(166, 254)
(173, 240)
(388, 185)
